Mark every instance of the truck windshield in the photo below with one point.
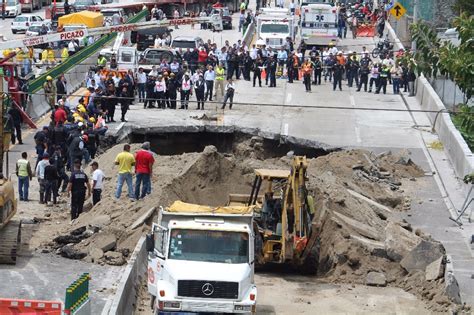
(274, 28)
(210, 246)
(183, 44)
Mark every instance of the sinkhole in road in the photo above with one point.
(173, 143)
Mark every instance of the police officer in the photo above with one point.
(78, 183)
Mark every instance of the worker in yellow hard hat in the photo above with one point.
(64, 54)
(51, 58)
(92, 119)
(50, 91)
(44, 56)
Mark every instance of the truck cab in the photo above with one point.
(201, 259)
(275, 28)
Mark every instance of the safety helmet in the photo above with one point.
(92, 119)
(49, 78)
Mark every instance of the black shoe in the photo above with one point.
(112, 120)
(358, 90)
(123, 120)
(20, 142)
(198, 107)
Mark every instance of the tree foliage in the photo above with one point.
(466, 6)
(434, 57)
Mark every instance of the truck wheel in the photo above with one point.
(14, 31)
(310, 264)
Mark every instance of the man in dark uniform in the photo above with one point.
(16, 120)
(78, 183)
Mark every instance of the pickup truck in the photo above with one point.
(201, 259)
(154, 56)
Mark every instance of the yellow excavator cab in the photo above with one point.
(9, 229)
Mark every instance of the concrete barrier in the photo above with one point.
(125, 297)
(456, 148)
(392, 36)
(249, 32)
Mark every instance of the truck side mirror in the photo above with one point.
(150, 243)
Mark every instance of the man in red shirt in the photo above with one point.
(60, 114)
(143, 169)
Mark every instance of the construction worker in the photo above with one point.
(64, 54)
(51, 58)
(44, 57)
(78, 183)
(24, 173)
(219, 85)
(307, 69)
(50, 91)
(125, 160)
(101, 61)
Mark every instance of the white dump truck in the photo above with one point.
(201, 259)
(274, 27)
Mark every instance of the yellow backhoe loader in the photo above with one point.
(283, 217)
(9, 229)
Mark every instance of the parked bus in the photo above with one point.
(318, 24)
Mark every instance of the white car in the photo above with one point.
(22, 22)
(36, 30)
(12, 8)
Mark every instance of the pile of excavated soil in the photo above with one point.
(357, 196)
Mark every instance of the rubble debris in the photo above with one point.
(104, 241)
(422, 255)
(399, 241)
(435, 270)
(68, 251)
(114, 258)
(376, 279)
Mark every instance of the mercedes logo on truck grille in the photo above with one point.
(207, 289)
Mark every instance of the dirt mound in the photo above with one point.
(357, 196)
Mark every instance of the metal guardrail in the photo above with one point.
(78, 57)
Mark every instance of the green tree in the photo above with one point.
(434, 57)
(464, 6)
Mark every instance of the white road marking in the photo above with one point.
(120, 126)
(356, 128)
(288, 98)
(357, 132)
(352, 99)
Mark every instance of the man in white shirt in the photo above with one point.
(40, 175)
(209, 77)
(292, 7)
(253, 52)
(186, 86)
(98, 178)
(72, 47)
(158, 42)
(153, 72)
(141, 81)
(160, 90)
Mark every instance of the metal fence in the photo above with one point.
(448, 92)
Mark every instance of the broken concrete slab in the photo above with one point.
(399, 241)
(96, 254)
(104, 241)
(376, 248)
(361, 228)
(381, 210)
(451, 284)
(435, 270)
(422, 255)
(377, 279)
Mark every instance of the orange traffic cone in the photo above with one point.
(264, 73)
